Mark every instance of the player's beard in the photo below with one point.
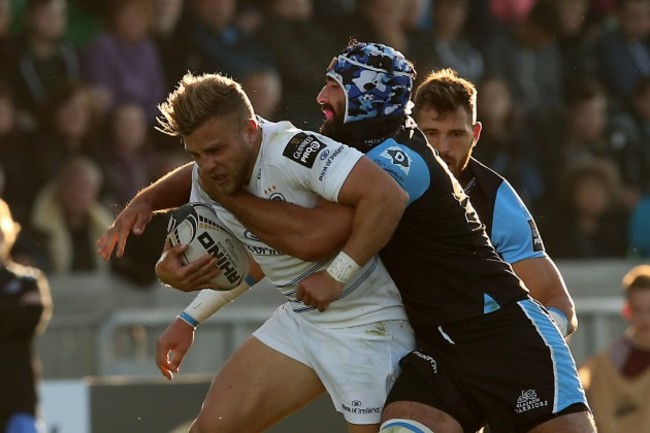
(333, 128)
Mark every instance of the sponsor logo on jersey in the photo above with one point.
(398, 157)
(250, 235)
(357, 407)
(303, 149)
(528, 400)
(272, 194)
(263, 251)
(277, 196)
(327, 164)
(538, 244)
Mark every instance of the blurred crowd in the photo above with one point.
(564, 98)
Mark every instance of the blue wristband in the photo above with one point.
(188, 319)
(250, 280)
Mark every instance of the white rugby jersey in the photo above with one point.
(298, 167)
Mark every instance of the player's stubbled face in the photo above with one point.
(452, 134)
(332, 101)
(224, 150)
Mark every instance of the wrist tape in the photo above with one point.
(209, 301)
(342, 268)
(560, 319)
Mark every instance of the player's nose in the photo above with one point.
(322, 97)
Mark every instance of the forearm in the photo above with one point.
(543, 280)
(170, 191)
(375, 220)
(564, 303)
(379, 203)
(310, 234)
(209, 301)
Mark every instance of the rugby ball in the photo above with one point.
(197, 225)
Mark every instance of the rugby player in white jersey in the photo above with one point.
(348, 341)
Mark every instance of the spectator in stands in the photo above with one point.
(588, 220)
(300, 46)
(576, 39)
(335, 15)
(123, 63)
(141, 253)
(617, 380)
(588, 127)
(67, 129)
(214, 43)
(264, 89)
(640, 113)
(511, 13)
(385, 21)
(25, 310)
(450, 47)
(68, 212)
(623, 53)
(529, 57)
(46, 61)
(166, 18)
(14, 156)
(85, 21)
(126, 155)
(506, 144)
(418, 14)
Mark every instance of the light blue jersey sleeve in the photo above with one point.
(514, 232)
(405, 165)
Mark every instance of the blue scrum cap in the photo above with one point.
(377, 81)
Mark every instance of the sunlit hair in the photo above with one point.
(637, 279)
(9, 230)
(444, 91)
(197, 99)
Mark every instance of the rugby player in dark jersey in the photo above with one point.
(445, 111)
(488, 352)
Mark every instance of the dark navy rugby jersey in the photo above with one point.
(508, 222)
(18, 322)
(440, 256)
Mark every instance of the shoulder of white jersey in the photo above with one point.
(304, 147)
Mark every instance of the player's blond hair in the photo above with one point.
(198, 98)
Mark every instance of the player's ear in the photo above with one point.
(250, 128)
(626, 311)
(476, 132)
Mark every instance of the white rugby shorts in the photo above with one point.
(357, 365)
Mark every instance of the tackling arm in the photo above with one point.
(546, 285)
(308, 234)
(379, 202)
